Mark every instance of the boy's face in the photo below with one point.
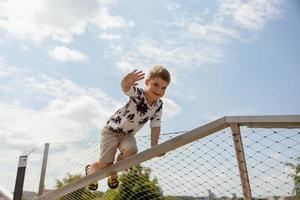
(155, 87)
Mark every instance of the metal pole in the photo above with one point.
(18, 192)
(239, 150)
(43, 171)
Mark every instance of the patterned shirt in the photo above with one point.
(132, 117)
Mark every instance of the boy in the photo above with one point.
(143, 105)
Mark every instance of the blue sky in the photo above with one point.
(61, 63)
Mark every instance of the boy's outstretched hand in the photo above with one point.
(131, 79)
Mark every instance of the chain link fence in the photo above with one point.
(204, 169)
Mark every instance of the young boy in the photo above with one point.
(143, 105)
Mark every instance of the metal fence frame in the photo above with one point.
(234, 122)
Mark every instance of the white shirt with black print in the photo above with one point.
(132, 117)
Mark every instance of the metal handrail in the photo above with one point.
(279, 121)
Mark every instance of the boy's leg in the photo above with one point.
(127, 148)
(98, 165)
(112, 181)
(124, 154)
(89, 169)
(108, 148)
(129, 151)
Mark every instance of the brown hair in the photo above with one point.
(159, 72)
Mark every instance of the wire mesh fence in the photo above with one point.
(204, 169)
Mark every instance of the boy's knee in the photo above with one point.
(98, 165)
(129, 152)
(102, 165)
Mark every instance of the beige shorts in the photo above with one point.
(111, 142)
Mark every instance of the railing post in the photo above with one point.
(240, 155)
(18, 192)
(43, 171)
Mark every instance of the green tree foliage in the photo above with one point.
(296, 177)
(81, 194)
(136, 183)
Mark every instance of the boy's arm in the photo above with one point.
(131, 79)
(155, 132)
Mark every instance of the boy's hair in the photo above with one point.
(159, 72)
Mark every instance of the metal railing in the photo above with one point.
(250, 148)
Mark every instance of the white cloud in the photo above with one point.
(125, 65)
(105, 20)
(24, 48)
(5, 69)
(4, 87)
(170, 108)
(253, 14)
(172, 6)
(62, 53)
(200, 41)
(182, 53)
(59, 20)
(212, 32)
(107, 36)
(68, 116)
(62, 112)
(229, 22)
(61, 120)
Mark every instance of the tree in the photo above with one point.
(81, 194)
(135, 184)
(296, 177)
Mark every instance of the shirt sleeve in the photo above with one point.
(156, 118)
(134, 92)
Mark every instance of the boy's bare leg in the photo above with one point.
(98, 165)
(124, 154)
(92, 168)
(119, 157)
